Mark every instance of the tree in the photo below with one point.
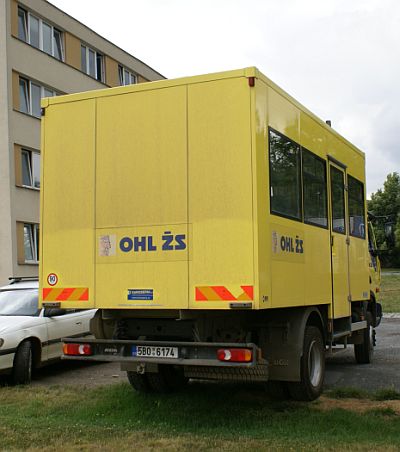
(385, 205)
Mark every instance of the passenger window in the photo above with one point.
(314, 189)
(356, 208)
(337, 195)
(285, 191)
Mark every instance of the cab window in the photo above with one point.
(356, 208)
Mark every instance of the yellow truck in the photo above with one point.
(218, 226)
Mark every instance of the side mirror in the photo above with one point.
(54, 312)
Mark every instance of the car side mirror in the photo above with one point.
(54, 312)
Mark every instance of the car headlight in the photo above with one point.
(1, 342)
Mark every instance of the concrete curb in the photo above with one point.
(391, 315)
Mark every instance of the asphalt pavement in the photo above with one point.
(384, 372)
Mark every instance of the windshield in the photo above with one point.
(19, 302)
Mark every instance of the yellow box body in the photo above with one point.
(156, 196)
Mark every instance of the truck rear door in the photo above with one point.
(141, 200)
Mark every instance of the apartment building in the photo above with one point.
(43, 52)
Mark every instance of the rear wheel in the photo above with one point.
(364, 352)
(312, 367)
(23, 363)
(138, 382)
(277, 390)
(167, 379)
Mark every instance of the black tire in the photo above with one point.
(364, 352)
(312, 367)
(277, 390)
(138, 382)
(167, 379)
(23, 364)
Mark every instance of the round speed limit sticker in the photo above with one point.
(52, 279)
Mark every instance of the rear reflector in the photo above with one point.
(77, 349)
(236, 355)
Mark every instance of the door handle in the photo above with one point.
(78, 323)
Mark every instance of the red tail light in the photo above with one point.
(77, 349)
(236, 355)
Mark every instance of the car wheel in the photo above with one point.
(312, 367)
(23, 363)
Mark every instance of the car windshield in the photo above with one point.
(19, 302)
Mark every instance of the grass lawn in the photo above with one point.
(390, 291)
(202, 417)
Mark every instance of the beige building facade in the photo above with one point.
(43, 52)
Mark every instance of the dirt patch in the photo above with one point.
(357, 405)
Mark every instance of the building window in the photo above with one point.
(30, 94)
(30, 161)
(92, 63)
(285, 180)
(22, 25)
(40, 34)
(125, 76)
(314, 189)
(356, 208)
(31, 242)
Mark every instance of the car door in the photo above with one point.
(65, 323)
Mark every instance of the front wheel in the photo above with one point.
(364, 352)
(312, 367)
(23, 363)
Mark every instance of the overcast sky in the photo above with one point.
(340, 58)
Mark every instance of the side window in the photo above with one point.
(356, 208)
(92, 63)
(285, 181)
(337, 196)
(30, 162)
(22, 24)
(31, 242)
(314, 189)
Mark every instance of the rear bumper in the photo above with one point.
(189, 353)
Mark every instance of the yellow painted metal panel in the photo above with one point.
(260, 188)
(187, 158)
(220, 187)
(318, 282)
(141, 199)
(141, 176)
(283, 116)
(67, 203)
(287, 262)
(161, 286)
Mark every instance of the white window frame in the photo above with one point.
(28, 16)
(29, 93)
(86, 70)
(33, 242)
(31, 167)
(132, 77)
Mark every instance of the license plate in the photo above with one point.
(145, 351)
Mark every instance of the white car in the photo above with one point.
(31, 337)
